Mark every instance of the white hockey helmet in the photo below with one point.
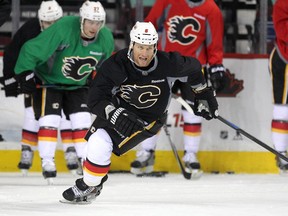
(92, 11)
(50, 11)
(144, 33)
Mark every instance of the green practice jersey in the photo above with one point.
(60, 56)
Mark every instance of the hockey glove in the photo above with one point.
(125, 122)
(205, 104)
(26, 82)
(10, 87)
(217, 76)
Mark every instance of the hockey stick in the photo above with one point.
(64, 87)
(239, 130)
(186, 175)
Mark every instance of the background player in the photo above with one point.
(76, 46)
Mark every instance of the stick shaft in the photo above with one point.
(185, 174)
(230, 124)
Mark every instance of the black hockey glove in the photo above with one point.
(217, 76)
(125, 122)
(10, 86)
(205, 104)
(26, 82)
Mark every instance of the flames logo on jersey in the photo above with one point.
(179, 28)
(141, 97)
(77, 68)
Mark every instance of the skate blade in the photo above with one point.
(74, 172)
(283, 172)
(138, 171)
(195, 174)
(74, 202)
(153, 174)
(50, 181)
(24, 172)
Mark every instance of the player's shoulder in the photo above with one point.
(118, 58)
(211, 6)
(169, 56)
(31, 23)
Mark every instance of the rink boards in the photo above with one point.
(247, 102)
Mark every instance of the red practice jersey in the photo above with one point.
(280, 21)
(195, 31)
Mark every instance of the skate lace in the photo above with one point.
(190, 158)
(79, 193)
(71, 158)
(143, 155)
(48, 165)
(26, 157)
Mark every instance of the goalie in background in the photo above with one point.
(278, 64)
(193, 28)
(130, 96)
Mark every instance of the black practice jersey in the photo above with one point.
(28, 31)
(146, 93)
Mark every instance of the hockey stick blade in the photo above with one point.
(230, 124)
(186, 175)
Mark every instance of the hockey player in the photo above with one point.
(64, 56)
(278, 69)
(48, 13)
(193, 28)
(130, 96)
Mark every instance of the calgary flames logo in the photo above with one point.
(178, 28)
(77, 68)
(141, 97)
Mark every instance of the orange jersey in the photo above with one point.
(195, 31)
(280, 21)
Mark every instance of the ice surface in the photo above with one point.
(127, 195)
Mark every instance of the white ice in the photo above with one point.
(127, 195)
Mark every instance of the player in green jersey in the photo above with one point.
(65, 56)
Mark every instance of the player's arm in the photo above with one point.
(205, 103)
(100, 100)
(34, 53)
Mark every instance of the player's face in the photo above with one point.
(46, 24)
(143, 54)
(91, 27)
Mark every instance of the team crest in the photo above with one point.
(141, 97)
(77, 68)
(181, 29)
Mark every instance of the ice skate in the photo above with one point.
(81, 193)
(49, 170)
(71, 160)
(282, 164)
(26, 159)
(192, 165)
(144, 163)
